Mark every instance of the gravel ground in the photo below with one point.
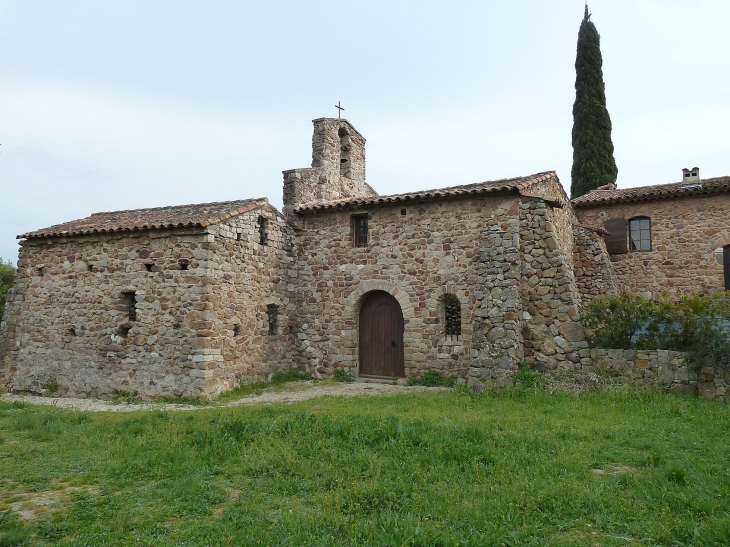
(291, 393)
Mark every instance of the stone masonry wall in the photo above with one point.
(660, 368)
(592, 266)
(561, 215)
(468, 248)
(245, 277)
(196, 331)
(329, 179)
(69, 323)
(551, 332)
(686, 235)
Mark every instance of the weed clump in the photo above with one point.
(256, 387)
(526, 382)
(432, 378)
(343, 375)
(290, 375)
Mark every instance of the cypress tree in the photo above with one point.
(593, 163)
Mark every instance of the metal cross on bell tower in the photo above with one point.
(340, 109)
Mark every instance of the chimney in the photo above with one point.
(691, 176)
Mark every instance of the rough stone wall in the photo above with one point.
(660, 368)
(686, 233)
(468, 248)
(69, 324)
(244, 278)
(5, 332)
(592, 266)
(197, 331)
(551, 333)
(561, 215)
(329, 178)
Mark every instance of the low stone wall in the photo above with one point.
(661, 368)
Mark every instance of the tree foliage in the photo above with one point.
(7, 280)
(593, 161)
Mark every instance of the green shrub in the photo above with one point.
(343, 375)
(431, 378)
(697, 325)
(7, 280)
(612, 321)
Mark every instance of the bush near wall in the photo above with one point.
(7, 280)
(697, 325)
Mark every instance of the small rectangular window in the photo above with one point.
(640, 234)
(272, 313)
(360, 231)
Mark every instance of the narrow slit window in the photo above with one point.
(263, 239)
(272, 314)
(360, 231)
(452, 315)
(236, 330)
(345, 148)
(130, 301)
(640, 234)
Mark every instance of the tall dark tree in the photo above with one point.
(593, 163)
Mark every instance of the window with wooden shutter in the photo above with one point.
(726, 263)
(616, 239)
(640, 234)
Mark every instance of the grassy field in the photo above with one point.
(426, 469)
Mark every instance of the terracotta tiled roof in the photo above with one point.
(518, 184)
(650, 193)
(178, 216)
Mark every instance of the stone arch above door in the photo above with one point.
(356, 298)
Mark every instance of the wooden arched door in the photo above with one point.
(381, 336)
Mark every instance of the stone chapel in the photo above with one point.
(468, 280)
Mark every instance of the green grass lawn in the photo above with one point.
(427, 469)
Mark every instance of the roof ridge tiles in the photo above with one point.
(654, 192)
(152, 218)
(507, 184)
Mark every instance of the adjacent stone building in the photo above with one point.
(469, 280)
(667, 238)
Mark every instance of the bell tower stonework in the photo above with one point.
(338, 167)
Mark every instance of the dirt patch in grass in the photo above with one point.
(30, 505)
(614, 469)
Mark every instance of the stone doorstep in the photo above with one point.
(380, 380)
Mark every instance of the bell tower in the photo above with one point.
(338, 167)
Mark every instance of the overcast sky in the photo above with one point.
(122, 105)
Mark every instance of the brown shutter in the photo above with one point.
(616, 240)
(726, 264)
